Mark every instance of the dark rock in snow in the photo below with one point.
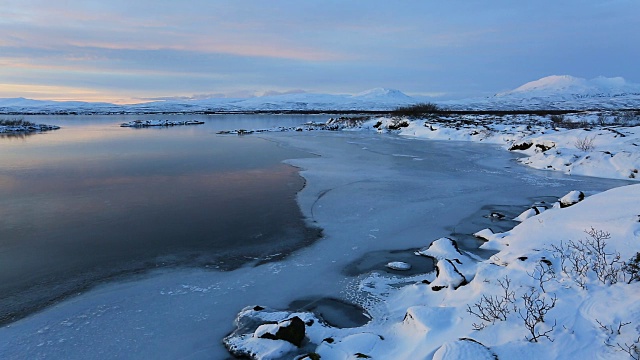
(291, 330)
(521, 146)
(571, 198)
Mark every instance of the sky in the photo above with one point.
(137, 50)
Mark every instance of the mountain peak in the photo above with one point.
(567, 85)
(550, 83)
(382, 93)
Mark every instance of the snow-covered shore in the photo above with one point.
(578, 146)
(563, 284)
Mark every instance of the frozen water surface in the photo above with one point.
(370, 193)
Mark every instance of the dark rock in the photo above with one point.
(522, 258)
(522, 146)
(571, 198)
(547, 262)
(329, 340)
(258, 308)
(544, 148)
(292, 332)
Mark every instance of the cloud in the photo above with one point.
(164, 49)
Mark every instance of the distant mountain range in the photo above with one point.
(551, 92)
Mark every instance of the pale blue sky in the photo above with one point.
(124, 51)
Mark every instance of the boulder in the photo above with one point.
(290, 330)
(571, 198)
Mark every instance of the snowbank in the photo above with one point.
(527, 301)
(593, 150)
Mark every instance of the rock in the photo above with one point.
(464, 348)
(442, 248)
(484, 234)
(533, 211)
(447, 275)
(544, 147)
(571, 198)
(290, 330)
(399, 265)
(496, 215)
(521, 146)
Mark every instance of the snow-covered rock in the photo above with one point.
(571, 198)
(466, 349)
(532, 211)
(399, 265)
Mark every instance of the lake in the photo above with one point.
(94, 201)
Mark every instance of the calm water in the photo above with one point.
(94, 201)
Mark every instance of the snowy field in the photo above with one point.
(372, 194)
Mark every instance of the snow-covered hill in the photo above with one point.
(374, 99)
(551, 92)
(561, 92)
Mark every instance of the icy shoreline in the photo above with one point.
(448, 314)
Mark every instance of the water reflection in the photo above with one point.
(86, 204)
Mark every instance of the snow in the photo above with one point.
(463, 349)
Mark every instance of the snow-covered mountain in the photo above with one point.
(551, 92)
(374, 99)
(22, 105)
(562, 92)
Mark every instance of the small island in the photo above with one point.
(17, 127)
(149, 123)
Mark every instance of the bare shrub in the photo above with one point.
(496, 307)
(632, 349)
(418, 110)
(602, 120)
(585, 143)
(557, 119)
(15, 122)
(542, 273)
(536, 307)
(632, 268)
(578, 259)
